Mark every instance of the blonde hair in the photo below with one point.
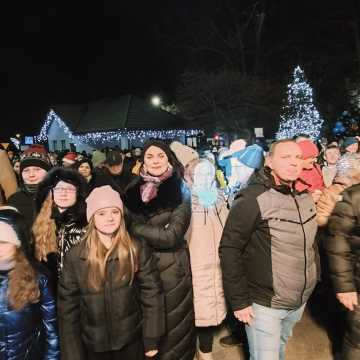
(44, 231)
(122, 244)
(23, 285)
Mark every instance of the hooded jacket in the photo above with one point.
(70, 224)
(268, 247)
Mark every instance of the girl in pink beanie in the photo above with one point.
(110, 303)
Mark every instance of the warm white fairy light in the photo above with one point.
(96, 138)
(300, 115)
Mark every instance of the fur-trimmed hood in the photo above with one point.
(60, 174)
(170, 195)
(76, 213)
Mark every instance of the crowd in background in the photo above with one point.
(137, 254)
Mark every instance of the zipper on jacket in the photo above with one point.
(62, 240)
(305, 258)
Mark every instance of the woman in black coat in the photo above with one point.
(160, 211)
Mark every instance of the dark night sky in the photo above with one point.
(58, 53)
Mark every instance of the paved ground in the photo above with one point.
(309, 342)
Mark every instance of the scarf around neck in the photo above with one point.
(149, 189)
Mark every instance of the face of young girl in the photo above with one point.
(64, 195)
(107, 220)
(7, 251)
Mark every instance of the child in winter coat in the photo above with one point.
(110, 303)
(209, 213)
(311, 178)
(28, 325)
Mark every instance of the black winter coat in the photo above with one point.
(114, 316)
(20, 331)
(70, 229)
(162, 223)
(343, 242)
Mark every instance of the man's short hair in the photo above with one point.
(276, 143)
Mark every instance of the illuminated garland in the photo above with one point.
(300, 115)
(108, 136)
(16, 142)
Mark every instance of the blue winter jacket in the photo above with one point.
(31, 333)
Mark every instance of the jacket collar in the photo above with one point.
(265, 177)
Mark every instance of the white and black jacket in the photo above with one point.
(268, 251)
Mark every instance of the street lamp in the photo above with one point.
(156, 100)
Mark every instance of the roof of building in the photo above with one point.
(128, 111)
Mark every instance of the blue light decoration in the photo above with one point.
(299, 115)
(339, 128)
(347, 124)
(96, 138)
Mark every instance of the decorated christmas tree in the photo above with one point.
(299, 115)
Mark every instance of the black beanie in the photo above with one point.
(35, 155)
(161, 145)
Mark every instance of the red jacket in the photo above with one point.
(310, 180)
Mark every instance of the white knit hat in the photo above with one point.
(184, 153)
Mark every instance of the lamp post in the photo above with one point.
(156, 100)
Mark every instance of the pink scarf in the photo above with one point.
(149, 189)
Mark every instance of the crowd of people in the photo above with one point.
(144, 254)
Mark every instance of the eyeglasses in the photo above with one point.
(65, 190)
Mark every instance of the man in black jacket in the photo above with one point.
(342, 246)
(267, 253)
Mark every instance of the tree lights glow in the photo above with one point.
(97, 138)
(300, 115)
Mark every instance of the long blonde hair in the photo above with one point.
(44, 231)
(23, 286)
(122, 244)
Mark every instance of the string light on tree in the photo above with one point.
(96, 138)
(299, 115)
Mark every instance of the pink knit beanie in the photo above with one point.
(309, 149)
(102, 197)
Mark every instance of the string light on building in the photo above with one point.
(95, 138)
(16, 142)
